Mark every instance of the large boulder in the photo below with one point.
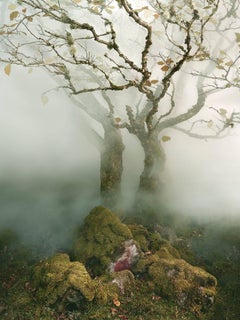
(58, 281)
(101, 239)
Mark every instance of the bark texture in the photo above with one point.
(150, 179)
(111, 165)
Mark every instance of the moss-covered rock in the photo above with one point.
(59, 281)
(149, 240)
(172, 277)
(100, 237)
(140, 234)
(179, 279)
(124, 280)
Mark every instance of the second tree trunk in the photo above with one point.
(111, 165)
(154, 159)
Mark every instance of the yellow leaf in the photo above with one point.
(160, 63)
(237, 34)
(44, 99)
(166, 138)
(117, 119)
(13, 15)
(210, 124)
(12, 6)
(72, 50)
(223, 112)
(109, 11)
(229, 63)
(154, 81)
(7, 69)
(142, 9)
(48, 60)
(54, 7)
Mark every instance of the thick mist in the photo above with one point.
(204, 175)
(49, 165)
(49, 168)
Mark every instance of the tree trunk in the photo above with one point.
(111, 165)
(150, 179)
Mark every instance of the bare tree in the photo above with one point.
(145, 49)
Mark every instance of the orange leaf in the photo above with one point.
(116, 302)
(169, 61)
(165, 68)
(148, 83)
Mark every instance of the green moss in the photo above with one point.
(140, 234)
(148, 240)
(165, 252)
(101, 235)
(106, 291)
(124, 280)
(144, 263)
(175, 278)
(168, 252)
(57, 277)
(161, 286)
(155, 241)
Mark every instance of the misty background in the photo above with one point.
(49, 164)
(49, 167)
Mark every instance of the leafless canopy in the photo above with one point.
(148, 47)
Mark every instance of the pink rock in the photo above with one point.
(122, 265)
(127, 259)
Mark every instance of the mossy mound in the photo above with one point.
(59, 281)
(159, 285)
(100, 237)
(148, 241)
(174, 278)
